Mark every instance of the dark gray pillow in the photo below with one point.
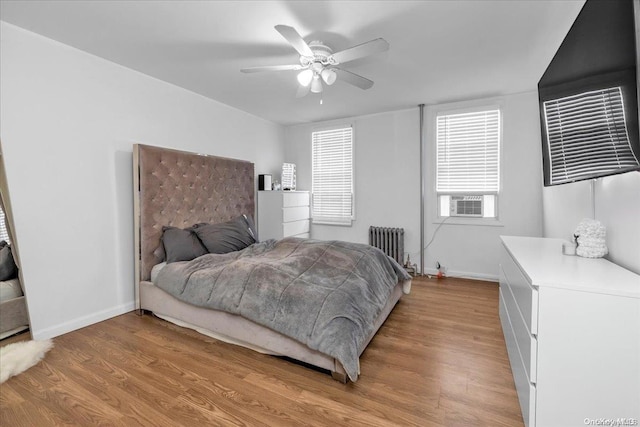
(8, 268)
(252, 227)
(227, 236)
(181, 244)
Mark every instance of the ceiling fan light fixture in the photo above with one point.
(305, 77)
(316, 84)
(329, 76)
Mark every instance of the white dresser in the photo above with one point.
(282, 214)
(572, 329)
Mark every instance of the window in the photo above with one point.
(332, 176)
(586, 137)
(468, 163)
(4, 233)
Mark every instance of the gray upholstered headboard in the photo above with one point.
(179, 188)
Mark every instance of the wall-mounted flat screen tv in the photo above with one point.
(589, 97)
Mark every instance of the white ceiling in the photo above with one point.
(440, 51)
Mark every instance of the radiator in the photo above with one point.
(390, 240)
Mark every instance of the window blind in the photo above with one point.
(587, 135)
(468, 152)
(4, 233)
(332, 176)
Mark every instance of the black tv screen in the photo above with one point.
(589, 99)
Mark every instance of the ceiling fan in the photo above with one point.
(318, 62)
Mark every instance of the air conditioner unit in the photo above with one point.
(466, 206)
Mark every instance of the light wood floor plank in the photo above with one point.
(439, 360)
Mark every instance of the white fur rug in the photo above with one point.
(18, 357)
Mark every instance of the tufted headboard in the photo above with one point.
(179, 188)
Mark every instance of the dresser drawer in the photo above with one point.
(295, 213)
(279, 213)
(526, 343)
(295, 199)
(295, 227)
(527, 393)
(525, 295)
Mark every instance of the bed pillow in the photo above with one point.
(159, 254)
(8, 268)
(225, 237)
(252, 227)
(181, 244)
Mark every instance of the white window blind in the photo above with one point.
(4, 233)
(468, 152)
(332, 176)
(586, 135)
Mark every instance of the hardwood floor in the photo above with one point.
(439, 360)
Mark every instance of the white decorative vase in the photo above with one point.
(591, 239)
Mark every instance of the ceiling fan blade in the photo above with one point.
(303, 91)
(294, 39)
(361, 50)
(353, 79)
(272, 68)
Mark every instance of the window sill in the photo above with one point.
(482, 222)
(339, 224)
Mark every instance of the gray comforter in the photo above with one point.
(325, 294)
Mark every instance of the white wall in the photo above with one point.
(69, 120)
(466, 250)
(387, 174)
(615, 203)
(564, 207)
(387, 179)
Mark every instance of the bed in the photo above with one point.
(13, 308)
(179, 189)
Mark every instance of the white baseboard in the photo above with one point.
(72, 325)
(464, 275)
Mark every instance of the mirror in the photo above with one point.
(14, 316)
